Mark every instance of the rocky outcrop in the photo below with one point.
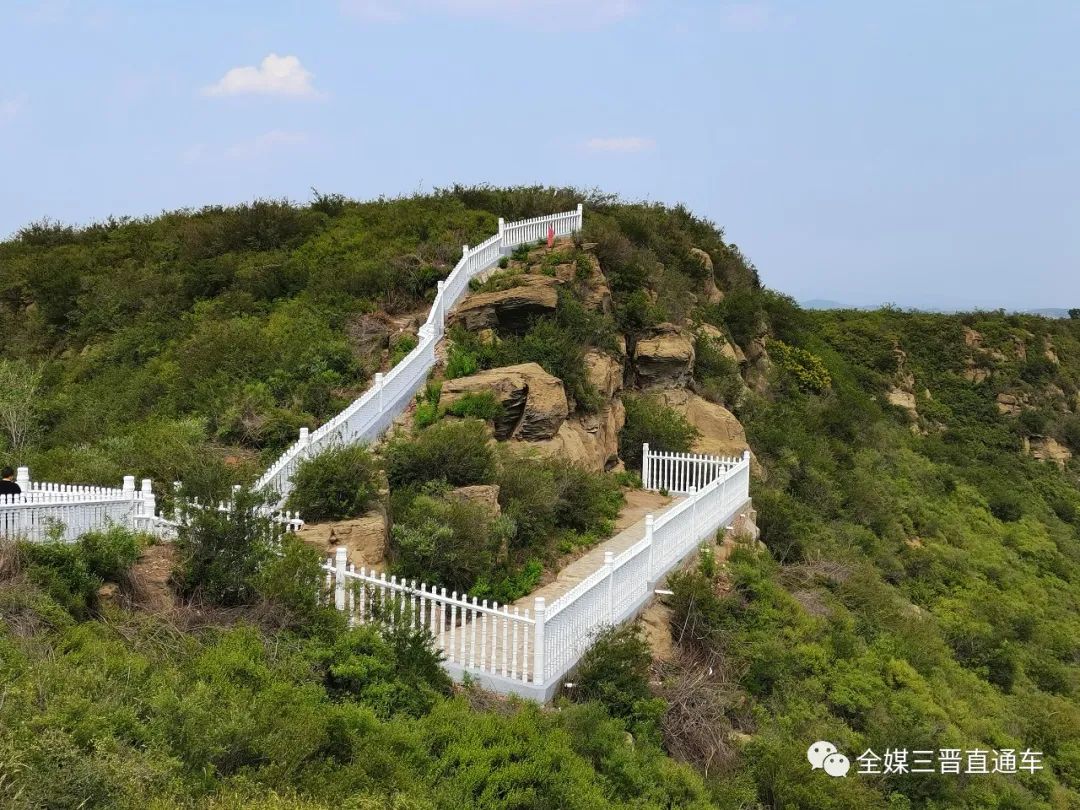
(487, 495)
(365, 538)
(721, 434)
(1046, 448)
(1010, 404)
(534, 402)
(712, 294)
(664, 357)
(590, 441)
(758, 365)
(508, 310)
(605, 372)
(727, 348)
(902, 398)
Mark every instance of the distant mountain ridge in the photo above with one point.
(827, 303)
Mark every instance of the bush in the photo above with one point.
(338, 483)
(615, 672)
(456, 452)
(477, 405)
(803, 368)
(221, 554)
(649, 420)
(460, 363)
(400, 348)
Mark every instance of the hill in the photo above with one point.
(915, 485)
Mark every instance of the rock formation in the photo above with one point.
(664, 357)
(534, 402)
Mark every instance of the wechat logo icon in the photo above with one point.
(823, 755)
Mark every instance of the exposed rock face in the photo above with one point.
(975, 373)
(903, 399)
(721, 433)
(592, 286)
(1010, 404)
(590, 441)
(1048, 351)
(972, 339)
(605, 372)
(486, 495)
(758, 365)
(1046, 448)
(365, 538)
(727, 348)
(534, 402)
(712, 294)
(509, 310)
(665, 357)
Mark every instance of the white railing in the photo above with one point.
(528, 653)
(370, 415)
(678, 472)
(66, 511)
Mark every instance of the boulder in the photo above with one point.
(365, 537)
(605, 372)
(1010, 404)
(534, 402)
(590, 440)
(508, 310)
(665, 356)
(1046, 448)
(486, 495)
(712, 294)
(721, 433)
(903, 398)
(727, 348)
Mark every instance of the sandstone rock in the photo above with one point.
(365, 538)
(903, 399)
(1046, 448)
(1048, 351)
(758, 366)
(712, 294)
(665, 357)
(484, 494)
(727, 348)
(510, 310)
(721, 432)
(972, 339)
(534, 402)
(590, 440)
(592, 286)
(975, 373)
(1010, 404)
(605, 372)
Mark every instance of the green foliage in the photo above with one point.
(455, 452)
(805, 369)
(71, 573)
(649, 420)
(477, 405)
(460, 362)
(401, 347)
(338, 483)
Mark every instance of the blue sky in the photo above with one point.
(921, 153)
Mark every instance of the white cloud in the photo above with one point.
(624, 144)
(10, 108)
(553, 13)
(275, 76)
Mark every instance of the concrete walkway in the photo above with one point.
(639, 504)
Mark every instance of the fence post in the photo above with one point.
(379, 387)
(502, 230)
(149, 503)
(305, 440)
(645, 482)
(609, 569)
(22, 478)
(341, 556)
(580, 216)
(129, 486)
(539, 609)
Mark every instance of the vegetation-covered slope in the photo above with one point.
(916, 496)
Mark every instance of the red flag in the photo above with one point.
(551, 235)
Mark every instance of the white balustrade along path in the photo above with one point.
(528, 652)
(366, 418)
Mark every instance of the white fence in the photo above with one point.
(677, 473)
(369, 416)
(45, 511)
(528, 653)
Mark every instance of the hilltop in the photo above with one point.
(915, 482)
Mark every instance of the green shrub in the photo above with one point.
(649, 420)
(615, 671)
(477, 405)
(504, 262)
(400, 348)
(510, 587)
(460, 363)
(806, 370)
(338, 483)
(456, 452)
(426, 415)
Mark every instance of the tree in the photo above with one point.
(1074, 313)
(19, 383)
